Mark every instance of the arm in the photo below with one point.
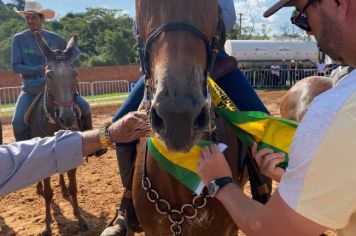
(127, 129)
(274, 218)
(17, 61)
(25, 163)
(253, 218)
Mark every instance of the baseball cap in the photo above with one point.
(276, 7)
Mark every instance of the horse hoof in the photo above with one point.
(83, 227)
(46, 233)
(115, 230)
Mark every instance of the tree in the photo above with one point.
(105, 35)
(20, 4)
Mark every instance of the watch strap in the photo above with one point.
(221, 182)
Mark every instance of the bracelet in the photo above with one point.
(104, 137)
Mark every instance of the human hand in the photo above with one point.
(129, 128)
(267, 161)
(212, 164)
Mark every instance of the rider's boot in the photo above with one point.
(87, 122)
(24, 135)
(125, 213)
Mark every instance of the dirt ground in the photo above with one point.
(99, 189)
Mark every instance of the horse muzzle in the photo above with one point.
(179, 122)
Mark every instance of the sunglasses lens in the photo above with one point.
(302, 22)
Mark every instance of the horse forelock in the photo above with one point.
(153, 13)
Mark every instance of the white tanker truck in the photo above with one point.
(263, 53)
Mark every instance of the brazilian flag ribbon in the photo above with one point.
(182, 166)
(254, 126)
(251, 126)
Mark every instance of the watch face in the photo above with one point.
(212, 188)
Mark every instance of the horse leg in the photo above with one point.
(72, 188)
(48, 195)
(39, 188)
(64, 188)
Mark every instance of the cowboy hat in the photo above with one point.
(276, 7)
(35, 7)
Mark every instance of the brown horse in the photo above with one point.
(296, 101)
(54, 110)
(176, 58)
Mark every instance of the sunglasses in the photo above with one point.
(300, 19)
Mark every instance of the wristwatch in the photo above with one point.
(215, 185)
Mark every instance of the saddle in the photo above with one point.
(223, 66)
(29, 111)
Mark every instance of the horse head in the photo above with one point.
(61, 84)
(176, 55)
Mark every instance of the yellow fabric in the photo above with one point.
(261, 133)
(219, 97)
(268, 130)
(186, 160)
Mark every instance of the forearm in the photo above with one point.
(91, 142)
(27, 70)
(275, 218)
(27, 162)
(242, 209)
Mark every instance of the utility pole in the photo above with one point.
(240, 26)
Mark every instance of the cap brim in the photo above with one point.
(276, 7)
(47, 13)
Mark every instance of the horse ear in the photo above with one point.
(46, 51)
(72, 51)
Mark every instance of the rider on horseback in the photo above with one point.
(28, 61)
(227, 76)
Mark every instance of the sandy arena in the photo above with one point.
(99, 189)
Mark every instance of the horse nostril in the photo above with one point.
(202, 120)
(156, 121)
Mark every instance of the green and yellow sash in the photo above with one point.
(251, 126)
(254, 126)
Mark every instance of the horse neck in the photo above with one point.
(40, 125)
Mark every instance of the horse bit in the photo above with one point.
(187, 211)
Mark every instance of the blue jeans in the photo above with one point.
(24, 100)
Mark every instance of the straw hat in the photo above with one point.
(35, 7)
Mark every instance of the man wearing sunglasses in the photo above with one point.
(318, 189)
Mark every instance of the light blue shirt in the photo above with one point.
(26, 57)
(25, 163)
(228, 13)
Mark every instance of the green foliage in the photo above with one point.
(104, 35)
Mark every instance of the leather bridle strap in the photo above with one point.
(212, 48)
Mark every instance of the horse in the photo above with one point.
(52, 110)
(296, 101)
(176, 42)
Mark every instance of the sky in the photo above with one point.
(254, 8)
